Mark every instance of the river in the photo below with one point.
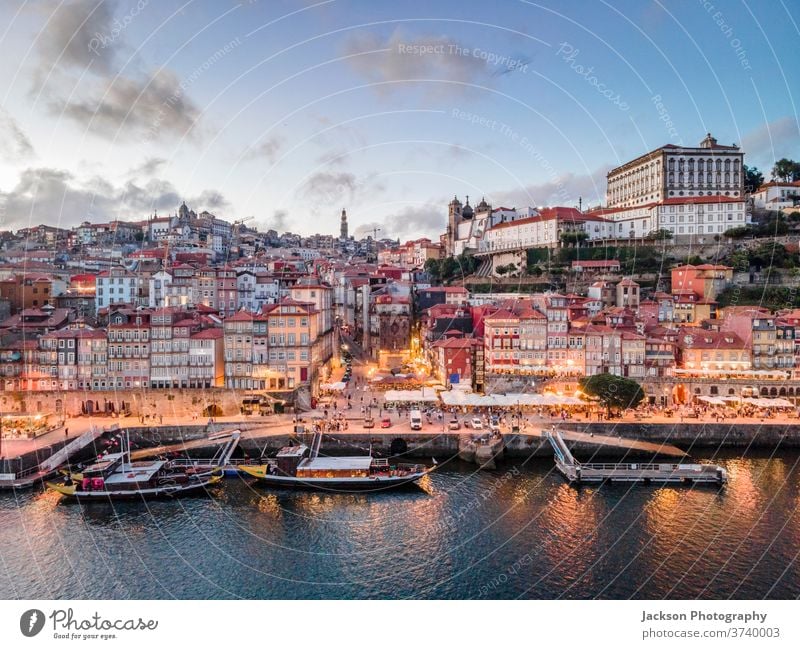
(518, 532)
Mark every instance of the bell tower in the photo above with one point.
(343, 226)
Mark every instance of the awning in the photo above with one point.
(472, 400)
(714, 401)
(768, 403)
(426, 395)
(333, 387)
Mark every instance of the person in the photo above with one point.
(66, 432)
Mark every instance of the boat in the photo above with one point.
(115, 476)
(301, 466)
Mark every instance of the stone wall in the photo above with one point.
(176, 402)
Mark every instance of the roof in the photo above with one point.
(596, 263)
(695, 338)
(552, 213)
(208, 334)
(681, 200)
(361, 463)
(456, 343)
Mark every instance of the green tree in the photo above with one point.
(786, 170)
(614, 392)
(739, 232)
(659, 235)
(753, 179)
(574, 237)
(433, 268)
(740, 260)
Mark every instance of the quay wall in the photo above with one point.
(687, 436)
(151, 402)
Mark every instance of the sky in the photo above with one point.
(287, 111)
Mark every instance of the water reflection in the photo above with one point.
(517, 531)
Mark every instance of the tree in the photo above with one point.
(614, 392)
(573, 237)
(786, 170)
(659, 235)
(433, 268)
(753, 179)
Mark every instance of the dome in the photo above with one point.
(467, 212)
(483, 206)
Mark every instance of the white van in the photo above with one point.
(415, 418)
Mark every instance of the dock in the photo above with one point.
(576, 472)
(48, 468)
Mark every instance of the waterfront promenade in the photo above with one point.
(616, 432)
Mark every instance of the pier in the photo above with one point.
(46, 469)
(578, 473)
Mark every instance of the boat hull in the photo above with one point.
(175, 491)
(375, 483)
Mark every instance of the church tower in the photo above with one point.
(343, 226)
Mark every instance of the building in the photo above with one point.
(628, 294)
(207, 359)
(119, 286)
(238, 346)
(169, 348)
(777, 195)
(454, 360)
(690, 192)
(706, 351)
(706, 281)
(674, 171)
(129, 349)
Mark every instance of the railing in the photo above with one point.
(648, 467)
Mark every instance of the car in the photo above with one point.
(494, 429)
(386, 422)
(369, 422)
(477, 424)
(454, 424)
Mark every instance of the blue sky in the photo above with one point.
(288, 111)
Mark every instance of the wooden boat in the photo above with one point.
(301, 467)
(114, 476)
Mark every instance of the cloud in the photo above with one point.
(413, 221)
(210, 199)
(148, 168)
(326, 187)
(14, 144)
(770, 142)
(398, 59)
(268, 149)
(55, 196)
(143, 108)
(563, 190)
(75, 38)
(86, 72)
(279, 221)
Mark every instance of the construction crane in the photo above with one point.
(244, 220)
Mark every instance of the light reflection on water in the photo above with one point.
(519, 531)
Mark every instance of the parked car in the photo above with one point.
(477, 424)
(386, 422)
(369, 422)
(454, 424)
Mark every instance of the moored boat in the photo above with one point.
(301, 467)
(115, 476)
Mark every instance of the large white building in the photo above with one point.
(692, 192)
(673, 171)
